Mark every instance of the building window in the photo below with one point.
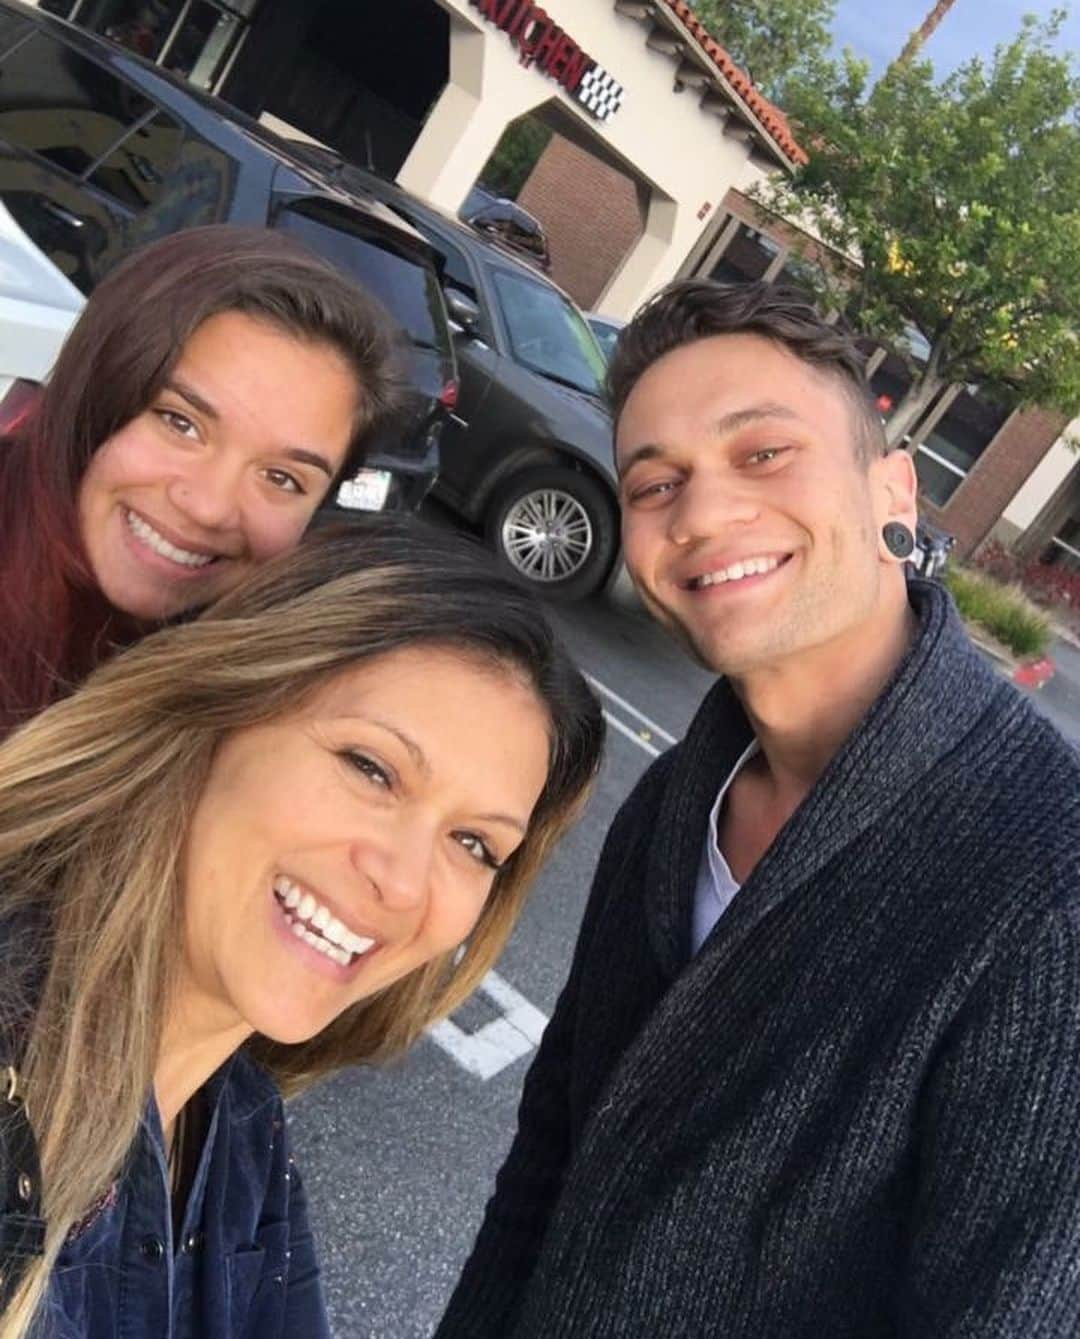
(1064, 547)
(195, 38)
(803, 276)
(746, 257)
(889, 384)
(951, 449)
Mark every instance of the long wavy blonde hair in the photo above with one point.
(96, 794)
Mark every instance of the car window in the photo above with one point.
(135, 171)
(12, 27)
(548, 333)
(63, 107)
(456, 271)
(407, 288)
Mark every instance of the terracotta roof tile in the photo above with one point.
(768, 113)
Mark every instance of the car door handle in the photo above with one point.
(58, 212)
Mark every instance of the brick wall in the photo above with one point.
(591, 215)
(975, 507)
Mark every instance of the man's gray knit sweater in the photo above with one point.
(856, 1111)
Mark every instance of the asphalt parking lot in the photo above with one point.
(398, 1163)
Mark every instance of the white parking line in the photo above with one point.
(631, 710)
(520, 1025)
(489, 1049)
(632, 735)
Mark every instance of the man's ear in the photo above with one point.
(895, 487)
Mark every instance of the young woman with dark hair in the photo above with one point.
(216, 385)
(259, 846)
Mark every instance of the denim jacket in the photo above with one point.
(244, 1266)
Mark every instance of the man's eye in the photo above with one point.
(369, 768)
(478, 849)
(649, 491)
(766, 455)
(282, 479)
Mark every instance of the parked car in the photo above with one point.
(506, 222)
(527, 455)
(932, 549)
(606, 329)
(101, 151)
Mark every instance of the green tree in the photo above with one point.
(773, 40)
(515, 156)
(958, 205)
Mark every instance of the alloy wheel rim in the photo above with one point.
(547, 535)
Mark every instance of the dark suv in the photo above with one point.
(100, 152)
(527, 454)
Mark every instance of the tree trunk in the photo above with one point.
(922, 34)
(911, 408)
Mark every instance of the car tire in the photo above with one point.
(554, 528)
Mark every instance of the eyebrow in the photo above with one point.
(300, 454)
(505, 819)
(723, 426)
(417, 754)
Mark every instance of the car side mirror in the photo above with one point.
(463, 310)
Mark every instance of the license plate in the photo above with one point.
(367, 491)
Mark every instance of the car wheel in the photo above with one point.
(556, 529)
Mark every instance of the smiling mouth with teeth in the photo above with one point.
(317, 926)
(146, 534)
(747, 567)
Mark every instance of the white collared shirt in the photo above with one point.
(715, 885)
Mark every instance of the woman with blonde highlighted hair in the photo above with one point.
(253, 849)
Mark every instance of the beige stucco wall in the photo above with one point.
(681, 152)
(1044, 480)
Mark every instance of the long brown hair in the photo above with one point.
(54, 623)
(96, 794)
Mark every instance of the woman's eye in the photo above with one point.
(288, 483)
(478, 849)
(179, 423)
(369, 768)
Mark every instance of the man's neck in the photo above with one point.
(804, 709)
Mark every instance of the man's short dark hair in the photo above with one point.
(692, 309)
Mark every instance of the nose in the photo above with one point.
(396, 865)
(208, 493)
(708, 504)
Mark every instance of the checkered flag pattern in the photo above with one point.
(600, 93)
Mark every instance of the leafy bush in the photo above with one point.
(1004, 612)
(515, 156)
(1056, 587)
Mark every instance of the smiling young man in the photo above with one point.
(816, 1071)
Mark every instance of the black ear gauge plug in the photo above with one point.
(898, 540)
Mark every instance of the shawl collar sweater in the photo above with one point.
(853, 1113)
